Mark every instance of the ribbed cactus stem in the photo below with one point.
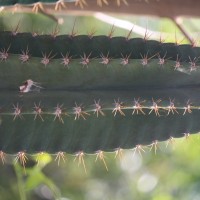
(92, 94)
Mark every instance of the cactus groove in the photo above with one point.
(82, 93)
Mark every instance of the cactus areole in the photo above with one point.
(80, 93)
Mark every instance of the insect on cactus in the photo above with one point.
(90, 94)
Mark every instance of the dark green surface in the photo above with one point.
(84, 84)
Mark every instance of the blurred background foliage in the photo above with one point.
(173, 173)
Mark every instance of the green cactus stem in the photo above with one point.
(85, 94)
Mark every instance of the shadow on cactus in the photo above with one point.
(89, 94)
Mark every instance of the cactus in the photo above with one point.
(75, 95)
(85, 93)
(90, 93)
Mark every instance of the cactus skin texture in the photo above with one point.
(85, 94)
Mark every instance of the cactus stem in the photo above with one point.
(162, 119)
